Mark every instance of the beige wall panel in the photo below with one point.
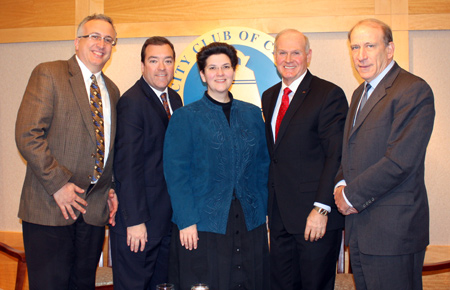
(429, 7)
(399, 7)
(97, 6)
(429, 22)
(316, 24)
(36, 13)
(383, 7)
(37, 34)
(428, 59)
(133, 11)
(401, 55)
(268, 25)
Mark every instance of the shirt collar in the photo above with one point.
(157, 92)
(374, 83)
(86, 72)
(294, 85)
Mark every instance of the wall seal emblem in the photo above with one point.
(255, 73)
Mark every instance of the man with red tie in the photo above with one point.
(305, 118)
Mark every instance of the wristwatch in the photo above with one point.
(322, 211)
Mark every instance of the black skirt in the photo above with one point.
(237, 260)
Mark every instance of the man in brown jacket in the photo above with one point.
(65, 131)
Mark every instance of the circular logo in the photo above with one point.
(255, 72)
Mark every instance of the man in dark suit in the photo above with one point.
(305, 148)
(381, 187)
(67, 197)
(140, 241)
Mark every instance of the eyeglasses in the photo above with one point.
(97, 38)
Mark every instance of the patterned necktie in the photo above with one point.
(166, 104)
(364, 99)
(283, 108)
(97, 116)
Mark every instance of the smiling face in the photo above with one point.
(369, 52)
(158, 66)
(291, 57)
(94, 54)
(218, 75)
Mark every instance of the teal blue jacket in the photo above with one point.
(206, 159)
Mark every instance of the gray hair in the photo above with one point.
(96, 17)
(307, 46)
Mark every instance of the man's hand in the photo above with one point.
(67, 199)
(189, 237)
(137, 235)
(316, 225)
(113, 204)
(341, 204)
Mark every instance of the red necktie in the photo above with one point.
(283, 108)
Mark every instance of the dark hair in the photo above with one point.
(372, 22)
(156, 40)
(216, 48)
(96, 17)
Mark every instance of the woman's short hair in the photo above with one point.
(216, 48)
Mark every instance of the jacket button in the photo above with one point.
(275, 161)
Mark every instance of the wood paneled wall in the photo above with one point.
(49, 20)
(46, 20)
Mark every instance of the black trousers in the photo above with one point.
(142, 270)
(298, 264)
(62, 257)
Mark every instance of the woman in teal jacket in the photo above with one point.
(216, 165)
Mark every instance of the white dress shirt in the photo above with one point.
(106, 104)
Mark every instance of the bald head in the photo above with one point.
(292, 32)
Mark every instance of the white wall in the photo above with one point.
(429, 59)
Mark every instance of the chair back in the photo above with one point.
(21, 264)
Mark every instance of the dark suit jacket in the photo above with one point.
(307, 153)
(55, 135)
(138, 165)
(383, 165)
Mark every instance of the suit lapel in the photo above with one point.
(156, 103)
(112, 101)
(271, 108)
(79, 91)
(378, 94)
(175, 101)
(295, 104)
(353, 109)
